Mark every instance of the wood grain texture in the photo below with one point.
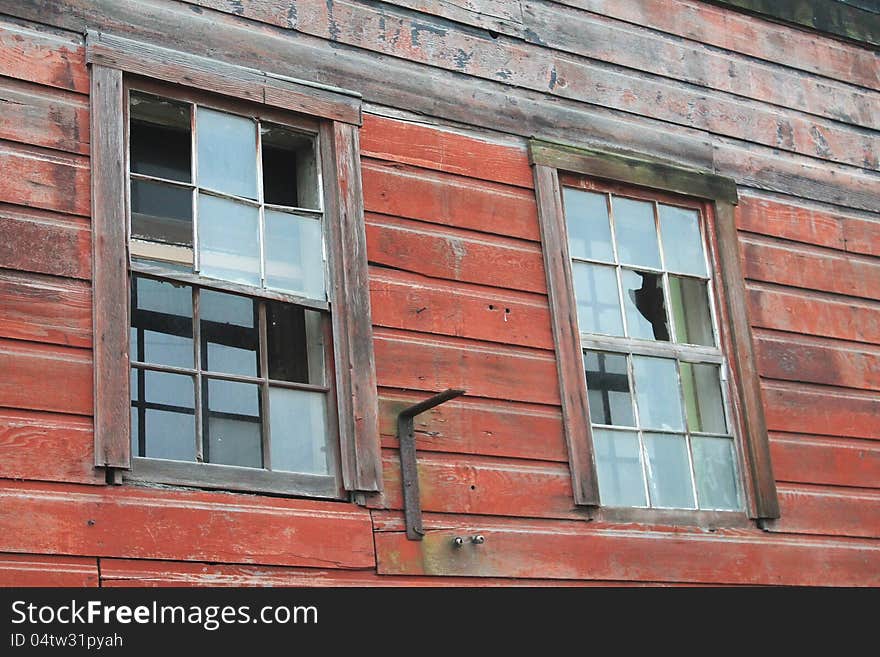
(789, 221)
(44, 242)
(496, 16)
(31, 376)
(47, 447)
(32, 114)
(43, 57)
(475, 427)
(110, 270)
(45, 179)
(576, 550)
(448, 200)
(455, 255)
(412, 302)
(827, 512)
(812, 313)
(28, 570)
(862, 236)
(45, 309)
(802, 458)
(183, 526)
(798, 408)
(421, 362)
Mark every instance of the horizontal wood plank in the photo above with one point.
(780, 356)
(814, 314)
(43, 57)
(467, 426)
(29, 570)
(415, 303)
(577, 550)
(44, 179)
(455, 255)
(788, 221)
(813, 410)
(47, 447)
(418, 362)
(449, 200)
(33, 375)
(827, 512)
(38, 115)
(44, 242)
(47, 309)
(183, 525)
(862, 236)
(827, 460)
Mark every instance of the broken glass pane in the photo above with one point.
(636, 232)
(598, 306)
(689, 302)
(619, 466)
(290, 171)
(586, 218)
(608, 389)
(643, 301)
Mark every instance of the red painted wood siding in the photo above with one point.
(459, 299)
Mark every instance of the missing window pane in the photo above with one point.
(598, 306)
(161, 323)
(669, 472)
(232, 426)
(644, 304)
(162, 415)
(619, 466)
(290, 170)
(702, 397)
(161, 213)
(608, 389)
(159, 137)
(636, 232)
(229, 333)
(299, 430)
(586, 218)
(295, 340)
(689, 301)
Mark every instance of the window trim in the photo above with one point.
(337, 116)
(719, 195)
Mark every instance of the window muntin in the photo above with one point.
(235, 369)
(643, 287)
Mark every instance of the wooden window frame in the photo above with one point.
(336, 116)
(717, 195)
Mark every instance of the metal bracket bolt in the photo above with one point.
(476, 539)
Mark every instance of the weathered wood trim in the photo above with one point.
(837, 17)
(357, 395)
(569, 359)
(228, 79)
(742, 362)
(633, 170)
(109, 275)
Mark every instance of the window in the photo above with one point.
(655, 362)
(236, 228)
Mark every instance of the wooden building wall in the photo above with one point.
(452, 91)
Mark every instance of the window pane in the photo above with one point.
(702, 397)
(290, 171)
(299, 431)
(586, 218)
(162, 416)
(159, 137)
(619, 465)
(598, 306)
(682, 243)
(229, 333)
(689, 300)
(295, 343)
(635, 232)
(227, 146)
(657, 393)
(229, 240)
(714, 465)
(645, 308)
(161, 213)
(294, 254)
(608, 389)
(233, 430)
(669, 474)
(161, 323)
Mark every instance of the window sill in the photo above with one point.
(228, 477)
(673, 517)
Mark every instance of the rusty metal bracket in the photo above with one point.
(409, 472)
